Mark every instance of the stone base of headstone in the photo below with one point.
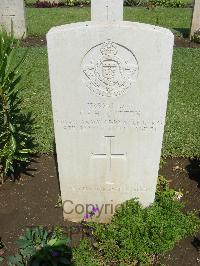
(12, 17)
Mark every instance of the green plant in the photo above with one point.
(196, 36)
(167, 3)
(135, 2)
(162, 162)
(87, 2)
(77, 2)
(84, 255)
(15, 126)
(2, 250)
(40, 246)
(137, 235)
(163, 188)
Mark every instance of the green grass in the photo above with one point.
(182, 136)
(41, 20)
(182, 132)
(37, 97)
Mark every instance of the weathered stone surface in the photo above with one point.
(104, 10)
(196, 18)
(109, 85)
(12, 12)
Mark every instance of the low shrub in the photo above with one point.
(85, 255)
(77, 2)
(146, 3)
(41, 247)
(196, 36)
(15, 125)
(47, 4)
(135, 2)
(137, 235)
(167, 3)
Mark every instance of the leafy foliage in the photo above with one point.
(196, 36)
(2, 246)
(15, 126)
(167, 3)
(136, 234)
(70, 3)
(77, 2)
(47, 4)
(39, 246)
(135, 2)
(85, 255)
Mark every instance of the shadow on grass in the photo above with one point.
(185, 32)
(193, 170)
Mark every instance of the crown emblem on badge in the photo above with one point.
(109, 49)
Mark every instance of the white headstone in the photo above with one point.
(109, 85)
(107, 10)
(12, 13)
(196, 18)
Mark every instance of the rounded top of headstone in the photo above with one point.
(122, 24)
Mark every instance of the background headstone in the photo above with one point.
(109, 85)
(12, 11)
(105, 10)
(196, 18)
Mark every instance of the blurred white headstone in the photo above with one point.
(12, 15)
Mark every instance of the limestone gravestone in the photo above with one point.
(109, 84)
(196, 18)
(12, 13)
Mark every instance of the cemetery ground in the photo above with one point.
(31, 200)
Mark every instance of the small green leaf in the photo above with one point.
(62, 242)
(15, 260)
(51, 242)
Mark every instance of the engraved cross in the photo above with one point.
(109, 155)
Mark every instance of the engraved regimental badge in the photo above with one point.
(109, 69)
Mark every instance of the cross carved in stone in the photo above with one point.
(109, 155)
(107, 10)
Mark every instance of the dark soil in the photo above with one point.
(41, 41)
(31, 202)
(185, 42)
(184, 175)
(34, 41)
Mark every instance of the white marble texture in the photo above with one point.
(109, 86)
(110, 10)
(195, 18)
